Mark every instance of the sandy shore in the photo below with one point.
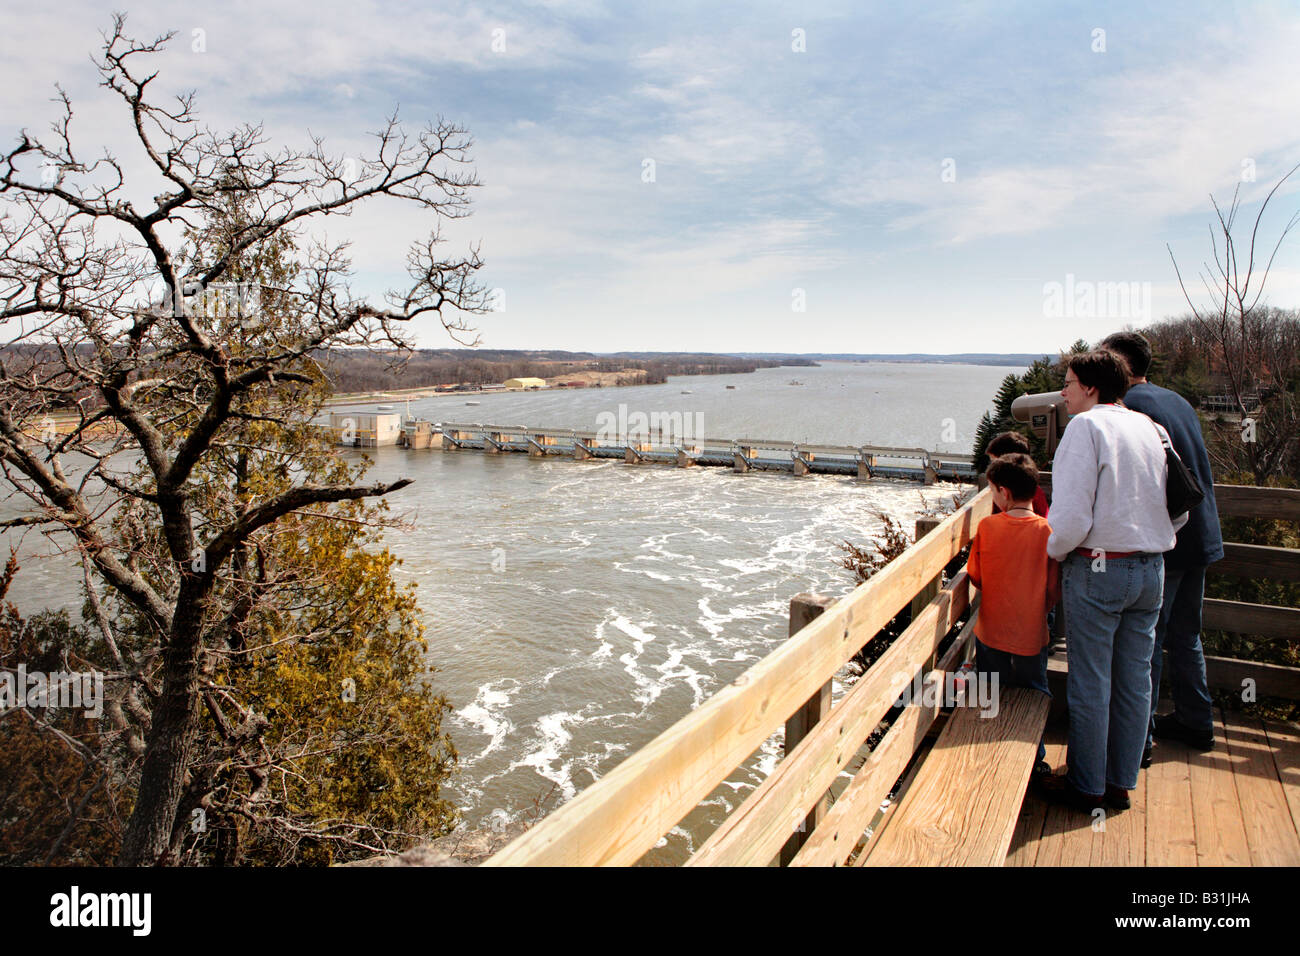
(593, 379)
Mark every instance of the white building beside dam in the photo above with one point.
(366, 429)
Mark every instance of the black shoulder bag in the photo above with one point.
(1182, 491)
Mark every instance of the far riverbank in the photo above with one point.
(620, 379)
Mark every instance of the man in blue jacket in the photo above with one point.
(1200, 543)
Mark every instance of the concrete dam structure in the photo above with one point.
(739, 454)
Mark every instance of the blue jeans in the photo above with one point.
(1179, 632)
(1110, 621)
(1014, 670)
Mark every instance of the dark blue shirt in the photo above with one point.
(1199, 541)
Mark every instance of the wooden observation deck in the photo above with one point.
(887, 775)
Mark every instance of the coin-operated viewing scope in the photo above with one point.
(1046, 415)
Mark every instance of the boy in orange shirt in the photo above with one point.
(1018, 582)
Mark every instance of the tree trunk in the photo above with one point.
(171, 740)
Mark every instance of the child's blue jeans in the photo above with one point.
(1015, 670)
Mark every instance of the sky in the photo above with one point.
(758, 177)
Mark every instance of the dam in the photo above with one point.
(739, 454)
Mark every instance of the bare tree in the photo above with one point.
(127, 344)
(1250, 341)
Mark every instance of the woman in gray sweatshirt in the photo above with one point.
(1110, 527)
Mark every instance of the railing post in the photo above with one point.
(805, 608)
(929, 590)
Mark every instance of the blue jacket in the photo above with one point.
(1200, 541)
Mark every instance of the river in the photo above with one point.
(575, 610)
(578, 609)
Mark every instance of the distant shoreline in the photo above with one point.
(429, 391)
(1010, 359)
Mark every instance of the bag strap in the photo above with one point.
(1160, 433)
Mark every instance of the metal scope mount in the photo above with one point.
(1045, 414)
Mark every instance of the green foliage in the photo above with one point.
(1010, 389)
(1041, 376)
(985, 432)
(346, 691)
(57, 808)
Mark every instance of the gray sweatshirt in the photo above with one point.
(1108, 485)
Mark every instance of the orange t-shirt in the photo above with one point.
(1018, 582)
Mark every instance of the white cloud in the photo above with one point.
(1147, 144)
(769, 165)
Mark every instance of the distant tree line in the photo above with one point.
(1243, 377)
(1043, 375)
(361, 371)
(1250, 367)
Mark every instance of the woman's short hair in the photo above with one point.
(1103, 370)
(1016, 473)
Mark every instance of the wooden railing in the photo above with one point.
(1268, 622)
(788, 817)
(625, 813)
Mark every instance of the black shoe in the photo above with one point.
(1167, 727)
(1042, 767)
(1116, 798)
(1059, 790)
(1146, 758)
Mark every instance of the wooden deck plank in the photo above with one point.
(1056, 820)
(1028, 838)
(1266, 817)
(1284, 740)
(1029, 829)
(1216, 809)
(1078, 834)
(1171, 830)
(884, 816)
(1236, 806)
(1068, 834)
(1123, 839)
(957, 813)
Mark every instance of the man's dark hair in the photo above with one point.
(1103, 370)
(1007, 443)
(1133, 348)
(1016, 473)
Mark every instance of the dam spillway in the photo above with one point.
(739, 454)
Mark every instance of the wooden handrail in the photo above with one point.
(624, 814)
(753, 832)
(1266, 680)
(1264, 620)
(1258, 561)
(1250, 501)
(831, 843)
